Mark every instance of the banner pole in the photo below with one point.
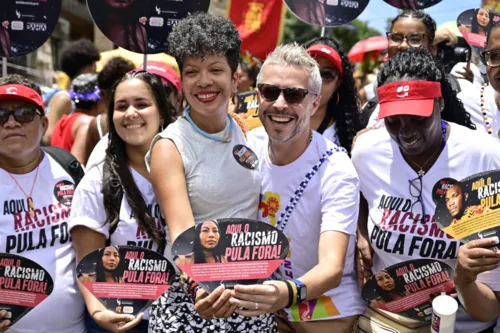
(323, 31)
(144, 64)
(4, 66)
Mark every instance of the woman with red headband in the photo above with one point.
(399, 165)
(337, 117)
(34, 222)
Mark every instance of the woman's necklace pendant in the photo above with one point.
(31, 207)
(421, 173)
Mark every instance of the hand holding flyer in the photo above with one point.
(230, 252)
(23, 285)
(126, 279)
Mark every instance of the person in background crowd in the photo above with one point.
(404, 160)
(78, 57)
(71, 131)
(413, 29)
(195, 187)
(29, 179)
(115, 201)
(337, 117)
(115, 69)
(248, 68)
(320, 263)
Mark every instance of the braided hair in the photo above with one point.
(426, 19)
(117, 177)
(346, 112)
(419, 64)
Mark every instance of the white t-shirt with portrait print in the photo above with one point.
(329, 203)
(45, 239)
(384, 177)
(88, 210)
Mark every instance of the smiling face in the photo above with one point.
(19, 139)
(284, 121)
(110, 258)
(209, 235)
(454, 201)
(483, 18)
(385, 281)
(136, 116)
(208, 84)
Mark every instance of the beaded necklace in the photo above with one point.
(483, 110)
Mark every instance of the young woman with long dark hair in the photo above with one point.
(337, 117)
(115, 202)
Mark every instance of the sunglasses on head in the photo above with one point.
(271, 93)
(21, 115)
(328, 75)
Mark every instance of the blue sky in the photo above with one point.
(377, 12)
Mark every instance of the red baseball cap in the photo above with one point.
(329, 53)
(165, 71)
(415, 98)
(23, 93)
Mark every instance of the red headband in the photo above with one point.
(23, 93)
(408, 98)
(328, 53)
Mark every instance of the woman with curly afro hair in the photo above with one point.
(196, 171)
(337, 117)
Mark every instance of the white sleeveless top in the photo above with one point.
(218, 186)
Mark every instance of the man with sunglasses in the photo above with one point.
(36, 196)
(309, 190)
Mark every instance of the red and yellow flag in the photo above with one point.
(260, 24)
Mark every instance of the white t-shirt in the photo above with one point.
(331, 134)
(88, 210)
(473, 105)
(384, 176)
(98, 153)
(329, 203)
(46, 240)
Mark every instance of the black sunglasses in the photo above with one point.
(21, 115)
(328, 75)
(271, 93)
(416, 192)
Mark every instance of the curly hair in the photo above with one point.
(117, 177)
(419, 64)
(204, 34)
(426, 19)
(77, 55)
(21, 80)
(114, 70)
(346, 112)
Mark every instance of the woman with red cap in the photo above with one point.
(399, 165)
(34, 222)
(337, 117)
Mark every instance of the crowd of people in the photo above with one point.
(157, 148)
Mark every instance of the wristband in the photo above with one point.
(93, 313)
(290, 293)
(294, 290)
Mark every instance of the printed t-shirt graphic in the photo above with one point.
(329, 203)
(384, 177)
(45, 239)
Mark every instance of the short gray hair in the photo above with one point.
(295, 55)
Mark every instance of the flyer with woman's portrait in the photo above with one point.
(230, 252)
(412, 4)
(126, 279)
(142, 26)
(468, 209)
(475, 25)
(23, 285)
(407, 288)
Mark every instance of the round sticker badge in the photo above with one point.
(245, 157)
(64, 191)
(327, 13)
(26, 25)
